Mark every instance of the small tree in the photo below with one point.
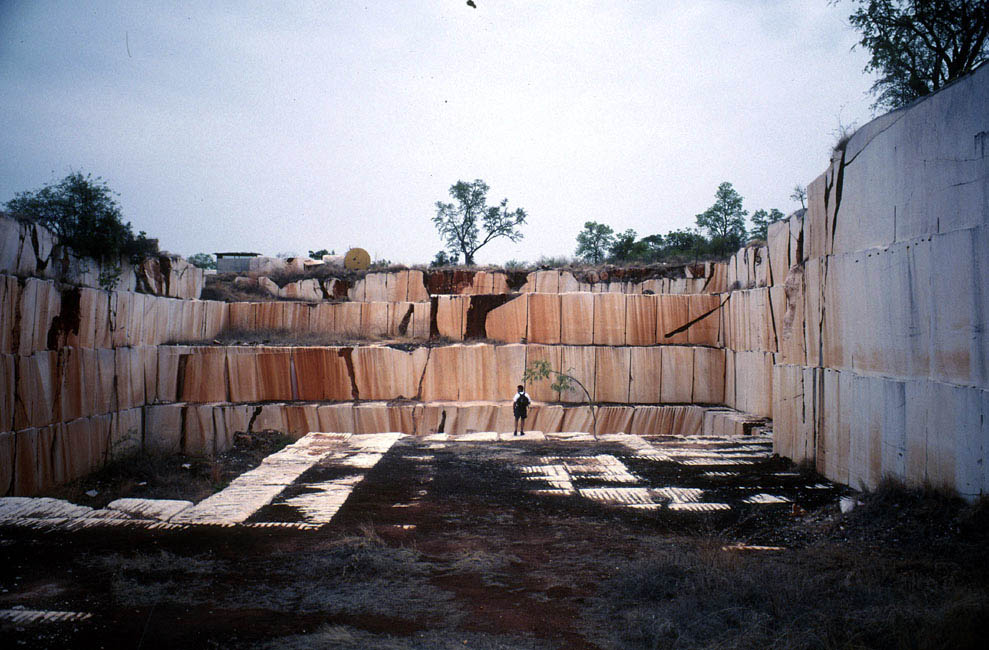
(624, 247)
(725, 220)
(458, 223)
(564, 382)
(202, 260)
(761, 220)
(594, 241)
(318, 255)
(918, 46)
(799, 194)
(82, 212)
(442, 259)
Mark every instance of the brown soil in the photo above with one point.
(446, 546)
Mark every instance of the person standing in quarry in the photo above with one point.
(520, 406)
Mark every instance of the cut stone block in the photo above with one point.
(337, 418)
(646, 373)
(577, 318)
(163, 428)
(705, 331)
(677, 382)
(641, 320)
(77, 390)
(609, 319)
(275, 376)
(300, 419)
(580, 363)
(540, 391)
(577, 419)
(543, 417)
(478, 377)
(40, 304)
(673, 312)
(125, 433)
(709, 377)
(441, 378)
(6, 394)
(384, 373)
(9, 301)
(417, 287)
(451, 316)
(35, 403)
(421, 319)
(322, 373)
(613, 367)
(375, 317)
(7, 456)
(614, 419)
(544, 318)
(203, 376)
(199, 434)
(508, 323)
(509, 365)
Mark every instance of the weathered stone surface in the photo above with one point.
(478, 374)
(9, 303)
(441, 378)
(614, 419)
(703, 311)
(198, 434)
(609, 319)
(35, 393)
(299, 419)
(646, 373)
(640, 320)
(417, 287)
(323, 373)
(794, 413)
(275, 373)
(336, 418)
(544, 318)
(375, 317)
(540, 391)
(347, 317)
(6, 393)
(384, 373)
(126, 435)
(580, 363)
(673, 313)
(243, 375)
(677, 382)
(577, 318)
(509, 366)
(308, 290)
(451, 316)
(753, 381)
(322, 318)
(202, 376)
(40, 303)
(7, 455)
(709, 377)
(421, 319)
(612, 374)
(508, 323)
(163, 428)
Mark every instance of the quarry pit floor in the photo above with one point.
(495, 541)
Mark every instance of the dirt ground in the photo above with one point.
(447, 545)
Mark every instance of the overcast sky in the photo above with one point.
(288, 126)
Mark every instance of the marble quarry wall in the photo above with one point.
(881, 309)
(859, 327)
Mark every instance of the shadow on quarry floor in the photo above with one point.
(527, 544)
